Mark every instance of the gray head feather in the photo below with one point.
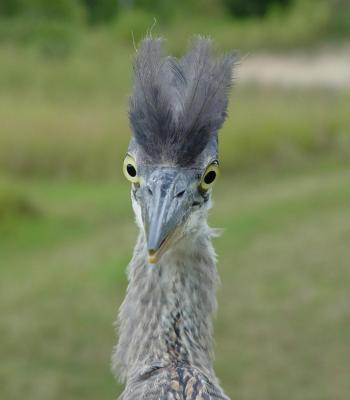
(178, 103)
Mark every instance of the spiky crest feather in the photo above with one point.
(178, 103)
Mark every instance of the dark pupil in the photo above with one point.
(131, 170)
(210, 177)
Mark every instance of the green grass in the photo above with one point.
(283, 325)
(69, 118)
(66, 231)
(15, 202)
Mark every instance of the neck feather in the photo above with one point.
(166, 317)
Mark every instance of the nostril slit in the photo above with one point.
(149, 190)
(180, 194)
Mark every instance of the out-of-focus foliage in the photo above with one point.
(101, 10)
(72, 120)
(9, 7)
(15, 202)
(78, 82)
(161, 8)
(132, 25)
(68, 10)
(52, 26)
(55, 26)
(339, 16)
(244, 8)
(168, 9)
(54, 38)
(66, 230)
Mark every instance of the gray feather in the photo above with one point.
(174, 383)
(178, 103)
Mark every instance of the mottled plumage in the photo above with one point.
(165, 322)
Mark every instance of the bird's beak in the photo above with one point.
(164, 214)
(155, 254)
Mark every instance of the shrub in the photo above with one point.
(51, 37)
(246, 8)
(132, 25)
(339, 17)
(66, 10)
(101, 10)
(10, 8)
(15, 202)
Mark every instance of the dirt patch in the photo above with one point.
(329, 68)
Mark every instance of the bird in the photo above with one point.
(176, 108)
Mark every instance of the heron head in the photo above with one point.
(166, 196)
(175, 111)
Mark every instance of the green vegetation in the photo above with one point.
(66, 230)
(14, 202)
(68, 118)
(282, 328)
(57, 28)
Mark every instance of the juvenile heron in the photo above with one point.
(176, 109)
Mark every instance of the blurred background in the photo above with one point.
(66, 226)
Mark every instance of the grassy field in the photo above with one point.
(283, 325)
(66, 230)
(69, 117)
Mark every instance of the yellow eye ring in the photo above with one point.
(129, 170)
(209, 176)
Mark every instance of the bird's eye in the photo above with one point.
(209, 176)
(129, 169)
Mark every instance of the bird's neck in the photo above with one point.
(166, 316)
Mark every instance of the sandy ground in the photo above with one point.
(328, 68)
